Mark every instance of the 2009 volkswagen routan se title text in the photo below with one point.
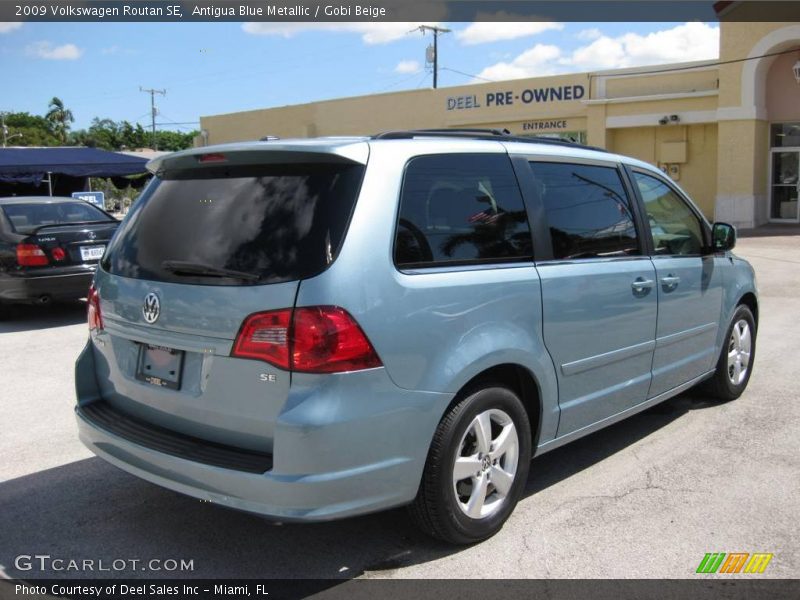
(313, 329)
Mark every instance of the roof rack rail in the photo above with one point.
(442, 132)
(480, 134)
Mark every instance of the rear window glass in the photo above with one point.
(25, 218)
(260, 224)
(461, 209)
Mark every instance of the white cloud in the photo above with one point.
(485, 31)
(48, 51)
(6, 27)
(371, 33)
(589, 34)
(408, 66)
(682, 43)
(687, 42)
(539, 60)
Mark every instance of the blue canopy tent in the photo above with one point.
(28, 167)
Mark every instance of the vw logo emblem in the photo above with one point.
(151, 308)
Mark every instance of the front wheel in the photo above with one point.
(476, 469)
(735, 364)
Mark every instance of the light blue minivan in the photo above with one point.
(314, 329)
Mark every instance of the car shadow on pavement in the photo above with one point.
(91, 510)
(16, 318)
(548, 469)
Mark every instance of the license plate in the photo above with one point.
(92, 252)
(160, 366)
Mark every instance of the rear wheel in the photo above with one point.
(476, 469)
(735, 363)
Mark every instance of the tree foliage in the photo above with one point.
(53, 129)
(25, 129)
(60, 118)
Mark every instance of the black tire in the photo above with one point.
(720, 385)
(7, 311)
(436, 509)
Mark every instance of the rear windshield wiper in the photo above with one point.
(180, 267)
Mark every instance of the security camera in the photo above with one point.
(674, 118)
(663, 120)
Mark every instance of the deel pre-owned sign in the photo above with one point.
(539, 95)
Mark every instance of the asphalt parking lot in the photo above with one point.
(645, 498)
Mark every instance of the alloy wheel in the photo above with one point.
(486, 464)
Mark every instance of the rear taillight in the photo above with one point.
(319, 339)
(58, 254)
(93, 314)
(265, 336)
(31, 255)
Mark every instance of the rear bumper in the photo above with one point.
(331, 459)
(61, 286)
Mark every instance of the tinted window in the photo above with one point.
(587, 211)
(24, 218)
(676, 229)
(274, 223)
(460, 209)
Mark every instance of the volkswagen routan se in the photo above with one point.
(320, 328)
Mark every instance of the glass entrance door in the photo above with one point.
(785, 173)
(785, 185)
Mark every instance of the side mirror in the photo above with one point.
(723, 236)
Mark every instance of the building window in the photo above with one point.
(784, 135)
(784, 171)
(570, 136)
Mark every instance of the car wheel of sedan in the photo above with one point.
(735, 363)
(476, 469)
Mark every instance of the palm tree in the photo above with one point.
(59, 119)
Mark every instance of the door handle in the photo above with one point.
(670, 281)
(642, 284)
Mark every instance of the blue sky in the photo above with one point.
(212, 68)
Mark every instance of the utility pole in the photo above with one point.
(153, 109)
(5, 129)
(436, 31)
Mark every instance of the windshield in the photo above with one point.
(274, 223)
(25, 218)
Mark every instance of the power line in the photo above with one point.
(422, 79)
(709, 64)
(396, 83)
(654, 71)
(467, 74)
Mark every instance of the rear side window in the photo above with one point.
(237, 225)
(587, 210)
(25, 218)
(461, 209)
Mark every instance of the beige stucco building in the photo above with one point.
(728, 131)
